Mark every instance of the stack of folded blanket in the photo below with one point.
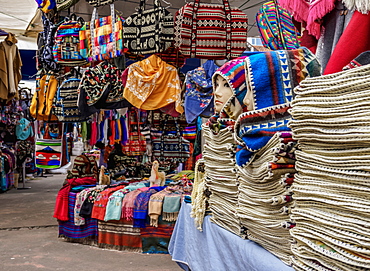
(331, 121)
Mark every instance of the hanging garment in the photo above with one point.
(152, 84)
(10, 70)
(349, 47)
(276, 27)
(333, 27)
(199, 92)
(42, 100)
(310, 12)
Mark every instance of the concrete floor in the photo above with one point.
(29, 237)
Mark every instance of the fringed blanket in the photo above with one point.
(87, 233)
(119, 235)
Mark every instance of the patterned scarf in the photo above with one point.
(128, 204)
(171, 206)
(155, 206)
(199, 92)
(141, 206)
(146, 81)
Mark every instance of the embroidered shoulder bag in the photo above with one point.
(211, 31)
(148, 31)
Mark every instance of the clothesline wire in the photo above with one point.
(252, 6)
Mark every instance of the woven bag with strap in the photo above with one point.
(148, 31)
(211, 31)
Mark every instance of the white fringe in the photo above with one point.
(362, 6)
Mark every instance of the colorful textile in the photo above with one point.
(88, 231)
(233, 71)
(309, 11)
(276, 27)
(100, 204)
(273, 75)
(128, 204)
(199, 92)
(141, 206)
(254, 129)
(61, 204)
(119, 235)
(348, 48)
(114, 206)
(155, 240)
(146, 82)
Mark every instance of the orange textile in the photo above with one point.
(42, 100)
(152, 84)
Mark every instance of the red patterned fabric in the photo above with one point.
(210, 31)
(120, 235)
(61, 204)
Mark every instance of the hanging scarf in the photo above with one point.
(347, 47)
(128, 204)
(171, 206)
(199, 92)
(141, 206)
(152, 84)
(155, 207)
(309, 11)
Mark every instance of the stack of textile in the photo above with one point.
(331, 121)
(221, 179)
(265, 198)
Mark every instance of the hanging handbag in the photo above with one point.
(48, 153)
(136, 144)
(66, 50)
(148, 31)
(171, 146)
(211, 31)
(65, 105)
(102, 38)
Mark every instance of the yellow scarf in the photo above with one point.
(152, 84)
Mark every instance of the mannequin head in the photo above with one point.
(222, 92)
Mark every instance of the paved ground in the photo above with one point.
(29, 237)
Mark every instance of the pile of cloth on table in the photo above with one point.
(331, 121)
(124, 216)
(264, 198)
(221, 180)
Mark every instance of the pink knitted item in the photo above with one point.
(318, 9)
(297, 8)
(128, 204)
